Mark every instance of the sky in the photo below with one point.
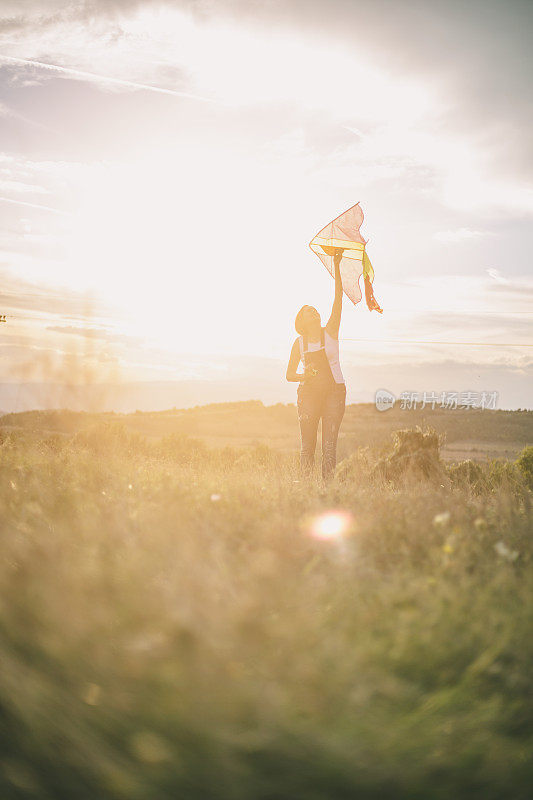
(163, 167)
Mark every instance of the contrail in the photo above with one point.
(35, 205)
(11, 114)
(92, 76)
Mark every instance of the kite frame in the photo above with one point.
(353, 250)
(357, 248)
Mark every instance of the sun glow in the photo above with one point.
(245, 65)
(185, 234)
(331, 525)
(158, 240)
(194, 226)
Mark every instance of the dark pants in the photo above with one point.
(313, 404)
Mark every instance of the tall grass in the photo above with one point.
(170, 628)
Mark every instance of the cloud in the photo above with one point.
(525, 290)
(497, 277)
(510, 381)
(319, 107)
(6, 112)
(22, 187)
(460, 235)
(21, 175)
(38, 206)
(476, 54)
(10, 113)
(37, 299)
(407, 101)
(96, 333)
(492, 326)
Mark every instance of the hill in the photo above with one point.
(470, 433)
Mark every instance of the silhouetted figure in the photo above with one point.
(322, 390)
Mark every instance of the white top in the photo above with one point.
(331, 347)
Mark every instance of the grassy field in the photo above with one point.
(470, 433)
(186, 622)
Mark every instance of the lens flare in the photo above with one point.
(331, 525)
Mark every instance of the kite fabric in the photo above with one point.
(343, 232)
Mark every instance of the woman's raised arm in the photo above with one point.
(334, 321)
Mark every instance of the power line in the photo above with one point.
(470, 312)
(418, 341)
(399, 310)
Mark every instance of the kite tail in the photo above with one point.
(368, 274)
(371, 301)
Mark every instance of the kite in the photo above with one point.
(343, 232)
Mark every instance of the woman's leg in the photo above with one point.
(308, 416)
(334, 406)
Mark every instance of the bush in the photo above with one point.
(261, 457)
(524, 463)
(468, 475)
(54, 443)
(505, 474)
(106, 438)
(357, 467)
(415, 453)
(181, 449)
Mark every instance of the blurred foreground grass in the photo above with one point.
(171, 629)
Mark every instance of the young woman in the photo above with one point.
(322, 391)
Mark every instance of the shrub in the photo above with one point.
(468, 475)
(416, 453)
(106, 438)
(261, 456)
(54, 443)
(356, 467)
(181, 449)
(524, 463)
(505, 473)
